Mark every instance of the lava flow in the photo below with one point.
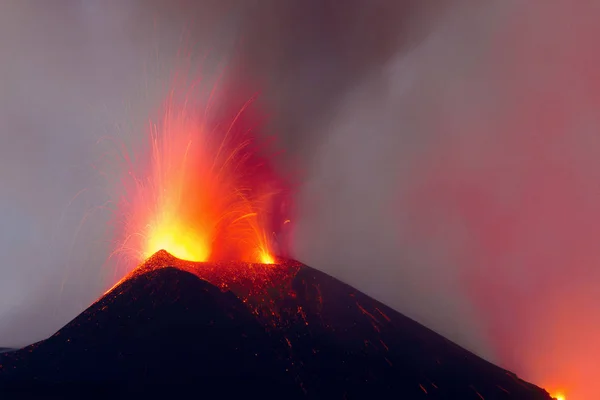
(205, 192)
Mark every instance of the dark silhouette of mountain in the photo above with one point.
(285, 331)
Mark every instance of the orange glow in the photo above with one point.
(267, 258)
(559, 396)
(205, 190)
(257, 285)
(182, 243)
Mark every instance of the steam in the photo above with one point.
(449, 156)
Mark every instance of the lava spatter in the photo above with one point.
(258, 285)
(204, 189)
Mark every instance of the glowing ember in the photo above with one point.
(559, 396)
(205, 193)
(259, 285)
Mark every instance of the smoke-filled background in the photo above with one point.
(448, 154)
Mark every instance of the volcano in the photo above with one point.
(234, 329)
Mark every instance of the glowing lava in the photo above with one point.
(267, 258)
(559, 396)
(258, 285)
(205, 191)
(181, 242)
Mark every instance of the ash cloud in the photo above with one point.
(459, 185)
(448, 151)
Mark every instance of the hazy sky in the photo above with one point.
(449, 153)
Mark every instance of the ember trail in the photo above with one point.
(205, 190)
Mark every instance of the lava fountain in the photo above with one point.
(206, 187)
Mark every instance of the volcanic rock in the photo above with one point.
(304, 334)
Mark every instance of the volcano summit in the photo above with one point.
(238, 329)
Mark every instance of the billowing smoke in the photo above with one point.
(448, 156)
(459, 184)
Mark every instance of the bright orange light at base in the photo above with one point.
(182, 243)
(266, 258)
(559, 396)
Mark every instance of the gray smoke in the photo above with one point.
(448, 150)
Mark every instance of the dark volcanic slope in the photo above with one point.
(165, 330)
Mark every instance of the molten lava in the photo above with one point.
(205, 192)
